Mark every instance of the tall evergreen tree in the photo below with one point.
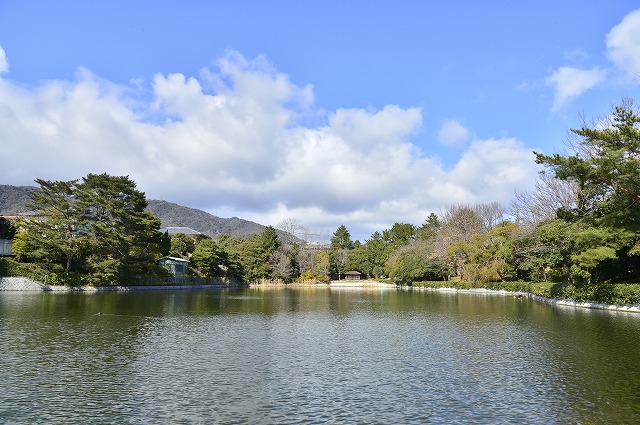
(400, 234)
(125, 237)
(606, 169)
(97, 226)
(55, 232)
(341, 238)
(429, 228)
(341, 244)
(208, 258)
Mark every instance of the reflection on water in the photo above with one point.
(313, 356)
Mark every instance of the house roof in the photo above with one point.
(176, 230)
(181, 260)
(353, 273)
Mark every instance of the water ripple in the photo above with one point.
(353, 357)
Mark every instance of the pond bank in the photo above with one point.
(26, 284)
(631, 308)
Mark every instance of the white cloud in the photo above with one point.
(366, 130)
(231, 140)
(4, 64)
(452, 133)
(489, 170)
(570, 83)
(623, 43)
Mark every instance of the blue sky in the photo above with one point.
(361, 113)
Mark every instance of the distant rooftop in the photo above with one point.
(185, 230)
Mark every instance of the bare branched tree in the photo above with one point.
(491, 214)
(548, 196)
(294, 231)
(459, 223)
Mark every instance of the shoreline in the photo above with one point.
(593, 305)
(22, 284)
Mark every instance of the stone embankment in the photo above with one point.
(20, 284)
(631, 308)
(26, 284)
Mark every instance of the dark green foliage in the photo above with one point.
(11, 267)
(232, 247)
(7, 229)
(607, 165)
(438, 284)
(341, 244)
(182, 245)
(165, 244)
(430, 227)
(268, 240)
(124, 237)
(605, 225)
(378, 252)
(97, 227)
(341, 239)
(400, 234)
(209, 259)
(254, 258)
(415, 262)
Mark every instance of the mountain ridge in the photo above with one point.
(14, 201)
(175, 215)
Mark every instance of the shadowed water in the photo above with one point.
(313, 356)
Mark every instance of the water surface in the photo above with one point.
(298, 356)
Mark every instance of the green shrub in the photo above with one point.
(3, 267)
(307, 275)
(453, 283)
(515, 286)
(10, 267)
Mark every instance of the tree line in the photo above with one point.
(580, 225)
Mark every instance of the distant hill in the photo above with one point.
(14, 200)
(174, 215)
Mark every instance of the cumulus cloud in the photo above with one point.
(452, 133)
(490, 168)
(570, 83)
(231, 141)
(623, 43)
(365, 129)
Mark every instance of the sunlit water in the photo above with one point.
(297, 356)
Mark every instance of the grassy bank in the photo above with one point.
(606, 293)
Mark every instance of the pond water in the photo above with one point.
(313, 356)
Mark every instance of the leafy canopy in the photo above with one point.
(97, 226)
